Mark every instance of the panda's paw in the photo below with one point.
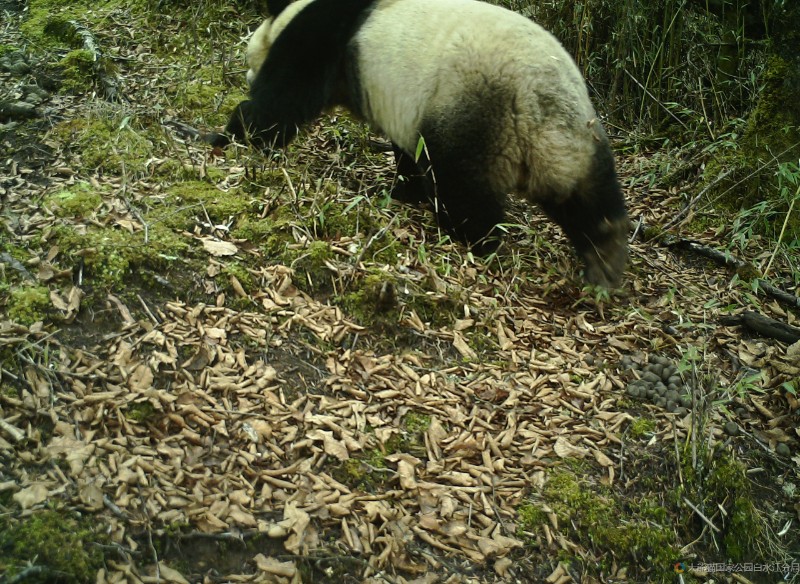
(216, 139)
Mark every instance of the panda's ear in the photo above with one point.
(275, 7)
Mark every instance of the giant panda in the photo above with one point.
(477, 100)
(257, 49)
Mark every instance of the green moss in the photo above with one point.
(366, 472)
(365, 303)
(78, 70)
(530, 520)
(416, 422)
(205, 101)
(728, 487)
(49, 15)
(140, 411)
(245, 278)
(747, 165)
(311, 267)
(28, 304)
(628, 532)
(107, 144)
(78, 201)
(253, 230)
(641, 427)
(64, 546)
(195, 201)
(336, 219)
(437, 309)
(110, 255)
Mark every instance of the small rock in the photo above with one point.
(672, 395)
(632, 390)
(668, 373)
(731, 428)
(661, 402)
(686, 401)
(589, 360)
(671, 406)
(681, 411)
(676, 379)
(783, 449)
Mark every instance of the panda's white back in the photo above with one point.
(417, 56)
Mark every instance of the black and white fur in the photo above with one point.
(499, 103)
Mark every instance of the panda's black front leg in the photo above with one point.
(466, 205)
(413, 180)
(472, 214)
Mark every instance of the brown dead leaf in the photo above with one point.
(241, 517)
(170, 575)
(564, 449)
(502, 566)
(219, 248)
(498, 545)
(296, 520)
(331, 446)
(405, 471)
(30, 496)
(462, 347)
(602, 458)
(276, 567)
(91, 496)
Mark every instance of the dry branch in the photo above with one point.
(763, 325)
(723, 259)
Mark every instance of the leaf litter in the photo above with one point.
(233, 422)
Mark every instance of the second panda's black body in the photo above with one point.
(499, 104)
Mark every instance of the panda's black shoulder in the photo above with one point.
(324, 25)
(304, 66)
(275, 7)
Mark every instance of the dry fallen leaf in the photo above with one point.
(273, 566)
(30, 496)
(219, 248)
(91, 496)
(564, 449)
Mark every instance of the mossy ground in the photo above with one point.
(369, 471)
(623, 531)
(28, 304)
(66, 546)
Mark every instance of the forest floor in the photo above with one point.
(226, 367)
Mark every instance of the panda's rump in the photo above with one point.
(485, 78)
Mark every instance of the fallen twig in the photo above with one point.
(763, 325)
